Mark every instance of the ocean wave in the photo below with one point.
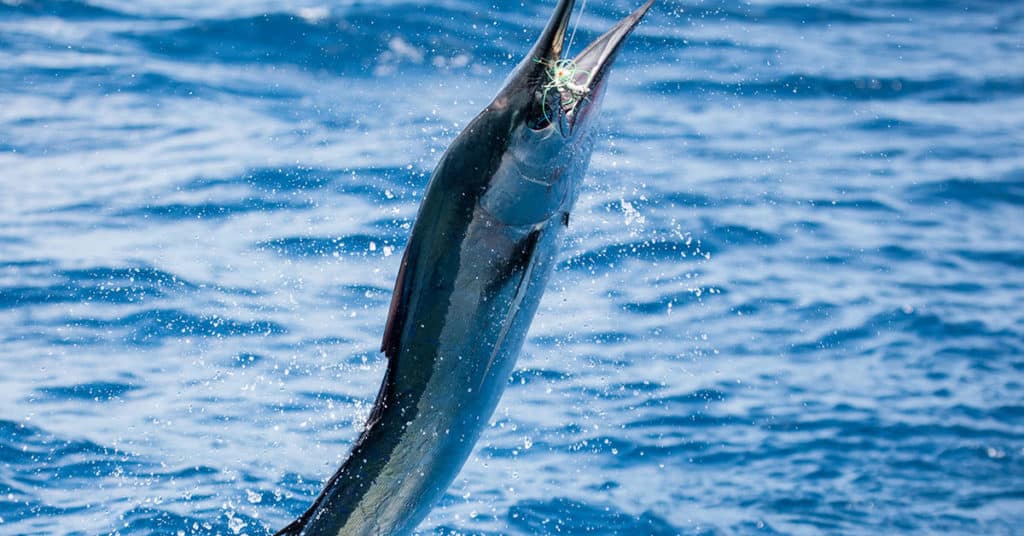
(209, 210)
(668, 302)
(564, 515)
(1004, 257)
(103, 284)
(145, 519)
(781, 13)
(921, 129)
(353, 43)
(902, 323)
(606, 257)
(968, 191)
(65, 9)
(312, 246)
(276, 180)
(809, 86)
(77, 82)
(95, 391)
(154, 326)
(23, 444)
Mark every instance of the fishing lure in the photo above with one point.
(561, 76)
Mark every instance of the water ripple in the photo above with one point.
(789, 300)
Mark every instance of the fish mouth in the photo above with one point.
(568, 88)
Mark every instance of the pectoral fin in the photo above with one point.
(520, 267)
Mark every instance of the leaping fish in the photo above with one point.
(482, 247)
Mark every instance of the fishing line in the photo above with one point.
(579, 17)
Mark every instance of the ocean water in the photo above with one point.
(791, 298)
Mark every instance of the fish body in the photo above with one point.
(483, 245)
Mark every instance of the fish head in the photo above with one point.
(551, 103)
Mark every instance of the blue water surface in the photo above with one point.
(791, 299)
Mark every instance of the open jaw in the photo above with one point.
(567, 85)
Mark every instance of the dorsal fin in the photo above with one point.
(391, 342)
(521, 266)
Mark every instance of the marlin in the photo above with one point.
(481, 250)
